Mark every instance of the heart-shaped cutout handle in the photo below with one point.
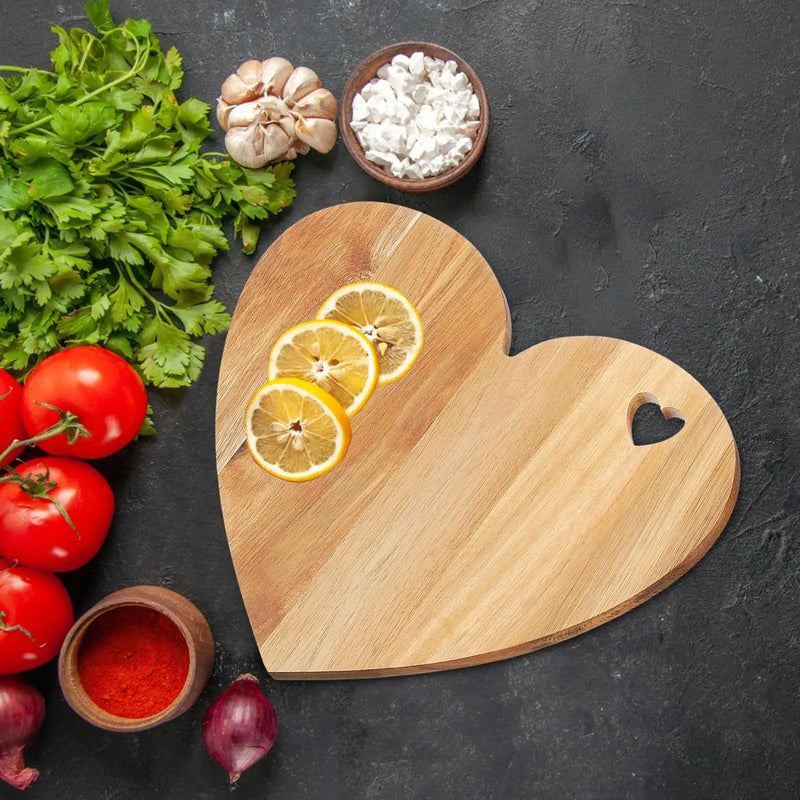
(650, 423)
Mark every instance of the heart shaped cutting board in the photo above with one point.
(488, 505)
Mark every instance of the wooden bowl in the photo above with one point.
(366, 72)
(190, 622)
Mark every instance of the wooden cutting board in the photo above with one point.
(488, 505)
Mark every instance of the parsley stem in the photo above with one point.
(142, 291)
(24, 70)
(159, 307)
(86, 54)
(135, 69)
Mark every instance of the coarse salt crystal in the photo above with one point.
(381, 159)
(463, 145)
(393, 136)
(423, 148)
(419, 93)
(453, 114)
(369, 90)
(444, 144)
(399, 168)
(359, 108)
(385, 90)
(436, 165)
(401, 60)
(427, 119)
(459, 81)
(400, 79)
(435, 93)
(462, 98)
(416, 65)
(376, 109)
(402, 114)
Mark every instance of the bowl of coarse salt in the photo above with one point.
(415, 116)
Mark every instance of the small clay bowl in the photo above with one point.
(366, 72)
(190, 622)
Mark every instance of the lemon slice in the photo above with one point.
(295, 430)
(385, 317)
(331, 355)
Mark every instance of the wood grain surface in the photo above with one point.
(489, 505)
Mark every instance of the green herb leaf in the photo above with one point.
(99, 15)
(148, 427)
(46, 178)
(79, 124)
(110, 215)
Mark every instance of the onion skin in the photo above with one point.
(21, 717)
(240, 726)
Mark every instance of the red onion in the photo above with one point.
(240, 726)
(21, 716)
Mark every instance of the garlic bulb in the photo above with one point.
(272, 111)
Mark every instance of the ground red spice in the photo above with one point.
(133, 661)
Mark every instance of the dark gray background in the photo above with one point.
(639, 181)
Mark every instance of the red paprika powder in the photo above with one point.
(133, 661)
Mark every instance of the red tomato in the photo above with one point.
(97, 385)
(11, 426)
(35, 616)
(33, 531)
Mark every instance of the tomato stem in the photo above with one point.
(69, 424)
(7, 628)
(38, 485)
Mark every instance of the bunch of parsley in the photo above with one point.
(110, 215)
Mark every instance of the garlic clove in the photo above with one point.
(275, 142)
(301, 82)
(244, 84)
(301, 148)
(244, 114)
(319, 133)
(250, 71)
(235, 90)
(290, 155)
(287, 126)
(241, 146)
(257, 145)
(274, 74)
(223, 111)
(319, 103)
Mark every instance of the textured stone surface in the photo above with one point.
(639, 181)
